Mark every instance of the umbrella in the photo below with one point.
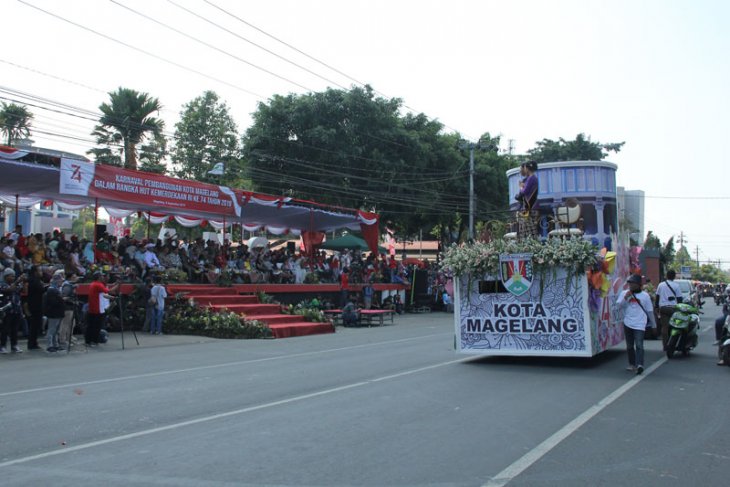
(348, 241)
(413, 261)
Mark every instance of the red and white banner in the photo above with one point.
(11, 152)
(145, 189)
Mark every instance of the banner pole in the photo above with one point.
(17, 210)
(96, 219)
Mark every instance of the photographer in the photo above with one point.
(11, 288)
(36, 288)
(98, 303)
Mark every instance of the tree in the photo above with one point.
(15, 121)
(152, 155)
(205, 135)
(580, 149)
(652, 241)
(127, 117)
(351, 148)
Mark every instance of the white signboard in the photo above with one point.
(550, 318)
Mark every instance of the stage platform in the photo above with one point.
(242, 298)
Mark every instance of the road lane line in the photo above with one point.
(524, 462)
(226, 414)
(215, 366)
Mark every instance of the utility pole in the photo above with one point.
(471, 191)
(697, 255)
(471, 146)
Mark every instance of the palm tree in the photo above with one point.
(15, 121)
(128, 114)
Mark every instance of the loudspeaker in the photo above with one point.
(291, 247)
(420, 282)
(100, 230)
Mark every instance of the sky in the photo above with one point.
(650, 73)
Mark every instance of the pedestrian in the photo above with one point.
(668, 295)
(34, 299)
(54, 309)
(68, 293)
(11, 289)
(367, 295)
(98, 302)
(638, 315)
(157, 300)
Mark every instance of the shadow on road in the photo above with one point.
(570, 363)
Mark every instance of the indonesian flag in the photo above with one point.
(11, 152)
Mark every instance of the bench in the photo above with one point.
(380, 315)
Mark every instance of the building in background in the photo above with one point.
(631, 211)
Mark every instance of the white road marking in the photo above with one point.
(523, 463)
(214, 366)
(214, 417)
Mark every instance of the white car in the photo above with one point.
(689, 293)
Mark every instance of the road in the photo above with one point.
(390, 406)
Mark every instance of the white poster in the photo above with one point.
(550, 318)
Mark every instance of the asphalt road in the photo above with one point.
(390, 406)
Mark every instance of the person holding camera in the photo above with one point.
(99, 296)
(11, 288)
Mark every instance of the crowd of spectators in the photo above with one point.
(194, 261)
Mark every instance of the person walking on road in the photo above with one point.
(638, 315)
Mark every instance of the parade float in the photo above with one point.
(553, 294)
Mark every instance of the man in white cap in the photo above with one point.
(11, 288)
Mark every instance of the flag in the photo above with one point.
(217, 169)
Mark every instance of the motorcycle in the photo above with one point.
(683, 327)
(723, 348)
(719, 298)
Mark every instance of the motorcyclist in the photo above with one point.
(720, 321)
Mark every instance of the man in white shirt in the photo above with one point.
(638, 315)
(150, 258)
(668, 295)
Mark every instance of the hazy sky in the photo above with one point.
(651, 73)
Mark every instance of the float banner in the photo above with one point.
(145, 190)
(550, 318)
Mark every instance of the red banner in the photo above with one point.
(145, 190)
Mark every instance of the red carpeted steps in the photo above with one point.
(227, 298)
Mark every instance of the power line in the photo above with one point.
(256, 45)
(284, 43)
(147, 53)
(313, 58)
(210, 46)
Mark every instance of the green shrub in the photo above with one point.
(184, 317)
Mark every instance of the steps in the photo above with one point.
(227, 298)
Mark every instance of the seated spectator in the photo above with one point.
(350, 315)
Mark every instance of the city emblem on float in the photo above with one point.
(516, 272)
